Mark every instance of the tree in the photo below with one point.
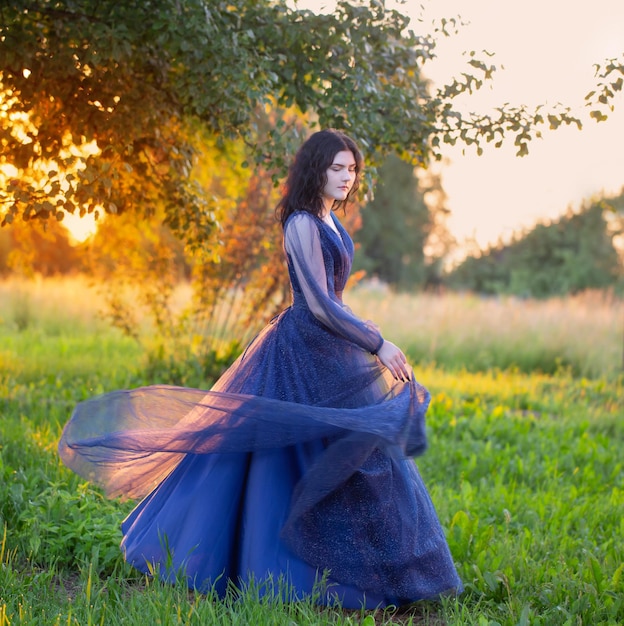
(38, 248)
(100, 98)
(238, 280)
(396, 226)
(571, 254)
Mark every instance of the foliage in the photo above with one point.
(397, 225)
(101, 97)
(137, 263)
(238, 279)
(569, 255)
(238, 283)
(610, 77)
(524, 471)
(247, 282)
(42, 248)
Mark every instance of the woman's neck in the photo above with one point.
(328, 204)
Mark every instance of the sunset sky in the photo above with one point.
(547, 48)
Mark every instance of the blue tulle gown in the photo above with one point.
(296, 464)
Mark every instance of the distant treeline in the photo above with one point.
(403, 241)
(569, 255)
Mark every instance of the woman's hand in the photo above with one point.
(394, 359)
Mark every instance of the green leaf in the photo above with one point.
(598, 116)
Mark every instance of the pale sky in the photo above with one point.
(547, 48)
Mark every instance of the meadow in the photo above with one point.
(524, 465)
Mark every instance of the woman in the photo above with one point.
(296, 465)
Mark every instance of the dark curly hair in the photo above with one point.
(307, 175)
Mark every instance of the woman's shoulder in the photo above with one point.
(301, 218)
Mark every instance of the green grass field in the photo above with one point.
(525, 468)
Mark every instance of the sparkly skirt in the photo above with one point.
(296, 466)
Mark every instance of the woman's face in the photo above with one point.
(341, 175)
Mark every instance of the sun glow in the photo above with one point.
(80, 228)
(45, 191)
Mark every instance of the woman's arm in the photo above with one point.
(303, 244)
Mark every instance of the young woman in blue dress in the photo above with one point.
(297, 465)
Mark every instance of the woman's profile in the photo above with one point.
(297, 463)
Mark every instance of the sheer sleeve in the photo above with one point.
(303, 244)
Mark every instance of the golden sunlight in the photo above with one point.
(80, 228)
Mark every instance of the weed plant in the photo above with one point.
(525, 471)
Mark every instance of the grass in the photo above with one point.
(525, 470)
(583, 334)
